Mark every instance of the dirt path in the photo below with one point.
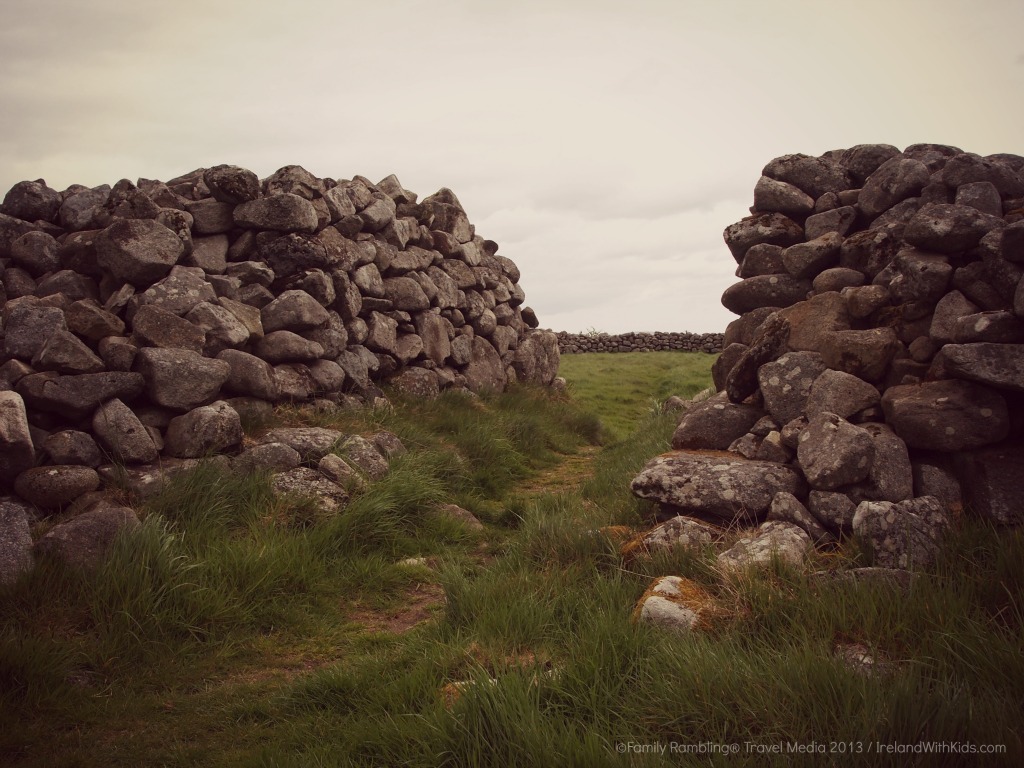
(570, 473)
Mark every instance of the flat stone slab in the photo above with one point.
(718, 484)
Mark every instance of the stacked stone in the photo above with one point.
(659, 341)
(875, 374)
(145, 319)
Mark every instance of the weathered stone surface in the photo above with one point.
(840, 393)
(714, 424)
(834, 510)
(892, 182)
(138, 251)
(89, 320)
(28, 327)
(179, 379)
(993, 482)
(201, 431)
(268, 457)
(485, 370)
(721, 485)
(814, 175)
(31, 201)
(811, 321)
(536, 358)
(996, 365)
(363, 454)
(805, 260)
(787, 508)
(865, 354)
(54, 486)
(295, 382)
(949, 228)
(904, 535)
(417, 382)
(833, 453)
(678, 532)
(838, 220)
(17, 452)
(154, 326)
(249, 375)
(948, 311)
(771, 228)
(773, 540)
(65, 353)
(293, 311)
(283, 212)
(70, 446)
(677, 604)
(764, 291)
(122, 434)
(36, 252)
(771, 196)
(222, 329)
(83, 542)
(769, 341)
(891, 476)
(179, 292)
(946, 416)
(15, 541)
(786, 383)
(327, 497)
(287, 347)
(338, 470)
(78, 396)
(231, 184)
(836, 279)
(1002, 326)
(934, 475)
(312, 443)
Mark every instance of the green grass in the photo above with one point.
(233, 630)
(622, 388)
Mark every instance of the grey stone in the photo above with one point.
(15, 541)
(714, 424)
(764, 291)
(154, 326)
(364, 455)
(946, 416)
(28, 326)
(773, 540)
(293, 311)
(327, 497)
(286, 347)
(210, 216)
(892, 182)
(786, 383)
(805, 260)
(295, 382)
(312, 443)
(891, 475)
(78, 396)
(902, 535)
(814, 175)
(417, 382)
(223, 330)
(87, 319)
(208, 429)
(70, 446)
(123, 434)
(836, 279)
(996, 365)
(55, 486)
(138, 251)
(993, 483)
(17, 452)
(729, 488)
(763, 259)
(37, 252)
(485, 370)
(787, 508)
(949, 228)
(840, 393)
(834, 510)
(920, 276)
(678, 532)
(231, 184)
(778, 196)
(865, 354)
(283, 212)
(31, 201)
(65, 353)
(833, 453)
(1001, 326)
(83, 542)
(179, 379)
(769, 342)
(269, 457)
(771, 228)
(537, 358)
(180, 291)
(948, 311)
(934, 475)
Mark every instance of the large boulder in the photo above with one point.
(179, 379)
(714, 424)
(537, 358)
(201, 431)
(723, 486)
(833, 453)
(15, 541)
(17, 452)
(123, 434)
(138, 251)
(83, 542)
(905, 535)
(946, 416)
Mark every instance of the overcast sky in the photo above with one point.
(603, 145)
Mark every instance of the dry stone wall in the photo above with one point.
(874, 380)
(659, 341)
(143, 321)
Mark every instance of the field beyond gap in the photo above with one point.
(239, 628)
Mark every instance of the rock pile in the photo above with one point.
(874, 381)
(146, 320)
(659, 341)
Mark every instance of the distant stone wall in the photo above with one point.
(659, 341)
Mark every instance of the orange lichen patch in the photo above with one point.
(688, 594)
